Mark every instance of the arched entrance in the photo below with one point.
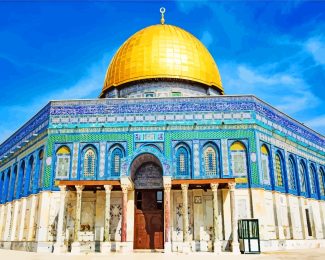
(146, 172)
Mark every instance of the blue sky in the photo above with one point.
(61, 50)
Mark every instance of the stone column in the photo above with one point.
(22, 219)
(167, 188)
(7, 222)
(75, 247)
(186, 238)
(216, 241)
(124, 212)
(105, 246)
(2, 214)
(59, 245)
(43, 245)
(14, 221)
(235, 244)
(32, 214)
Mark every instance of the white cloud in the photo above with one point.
(289, 94)
(88, 86)
(316, 47)
(318, 121)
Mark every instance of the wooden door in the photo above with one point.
(149, 220)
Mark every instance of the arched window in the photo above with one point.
(182, 159)
(2, 184)
(116, 157)
(302, 177)
(321, 178)
(63, 162)
(89, 167)
(31, 173)
(291, 173)
(15, 184)
(211, 160)
(265, 162)
(278, 170)
(238, 159)
(312, 179)
(40, 168)
(21, 178)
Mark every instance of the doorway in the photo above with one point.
(149, 203)
(149, 219)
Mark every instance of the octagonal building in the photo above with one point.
(163, 160)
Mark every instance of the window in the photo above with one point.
(238, 159)
(278, 171)
(15, 184)
(211, 165)
(312, 180)
(176, 94)
(182, 161)
(149, 94)
(40, 168)
(2, 185)
(291, 172)
(116, 156)
(265, 163)
(63, 162)
(31, 173)
(89, 166)
(321, 178)
(302, 177)
(20, 181)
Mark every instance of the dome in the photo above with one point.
(162, 52)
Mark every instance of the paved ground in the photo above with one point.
(313, 254)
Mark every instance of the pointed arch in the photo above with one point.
(183, 165)
(279, 170)
(265, 164)
(292, 184)
(117, 153)
(211, 159)
(63, 157)
(302, 176)
(312, 181)
(321, 180)
(40, 168)
(89, 162)
(238, 155)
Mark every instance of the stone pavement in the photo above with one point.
(314, 254)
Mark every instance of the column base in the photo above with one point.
(105, 247)
(126, 247)
(59, 248)
(217, 247)
(44, 247)
(186, 247)
(168, 247)
(235, 248)
(75, 248)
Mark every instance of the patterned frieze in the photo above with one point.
(28, 131)
(290, 148)
(217, 107)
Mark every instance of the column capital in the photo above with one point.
(125, 188)
(62, 188)
(232, 186)
(184, 186)
(79, 188)
(214, 186)
(167, 187)
(108, 188)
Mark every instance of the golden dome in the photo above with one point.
(162, 51)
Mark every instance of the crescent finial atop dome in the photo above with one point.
(162, 11)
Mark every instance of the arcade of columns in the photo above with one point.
(75, 247)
